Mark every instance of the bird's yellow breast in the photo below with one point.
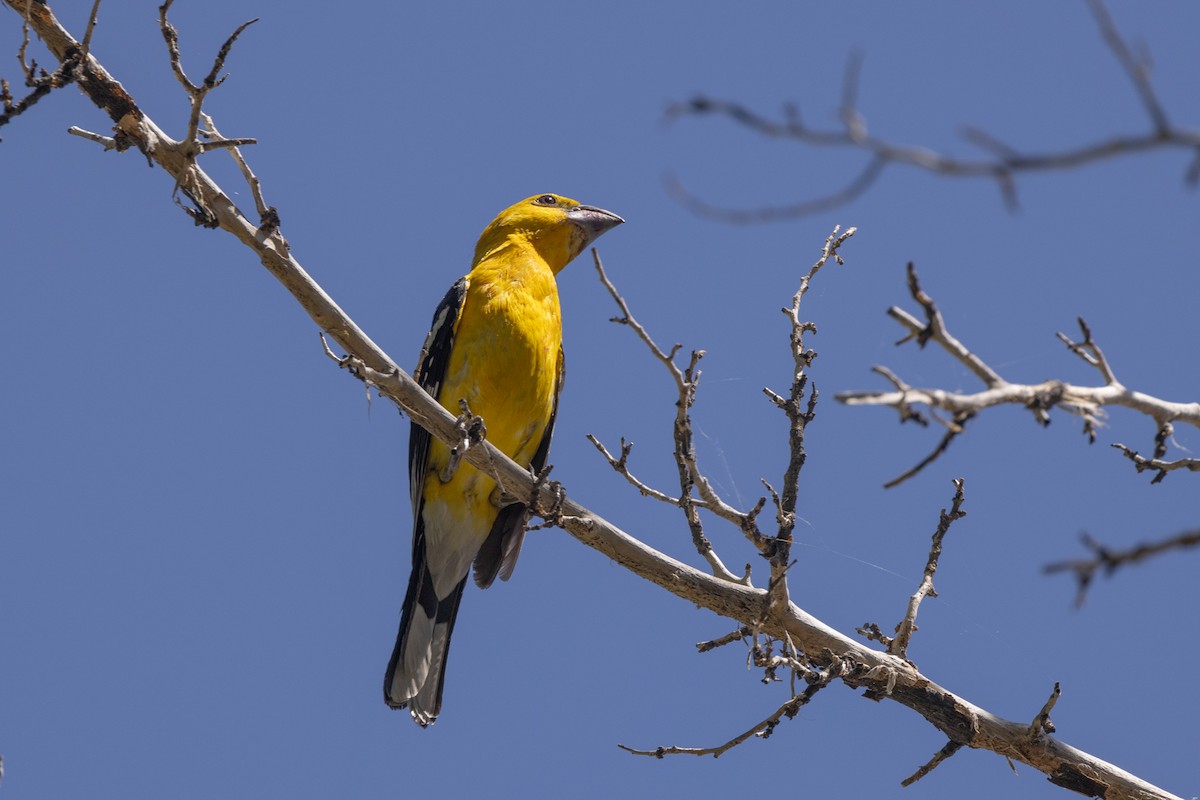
(504, 363)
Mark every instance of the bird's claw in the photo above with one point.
(552, 516)
(471, 431)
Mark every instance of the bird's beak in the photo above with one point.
(593, 221)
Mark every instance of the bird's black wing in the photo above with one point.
(431, 371)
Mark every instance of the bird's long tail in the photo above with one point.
(417, 669)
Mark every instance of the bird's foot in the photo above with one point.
(471, 431)
(552, 516)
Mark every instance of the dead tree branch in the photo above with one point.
(1086, 402)
(691, 479)
(197, 92)
(880, 674)
(1002, 163)
(1160, 467)
(37, 79)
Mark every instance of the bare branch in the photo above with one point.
(935, 330)
(1160, 466)
(1002, 164)
(816, 679)
(37, 79)
(1108, 561)
(621, 465)
(1089, 351)
(739, 635)
(1086, 402)
(690, 476)
(799, 414)
(197, 93)
(953, 429)
(268, 215)
(106, 141)
(948, 750)
(904, 631)
(85, 47)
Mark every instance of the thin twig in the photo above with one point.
(268, 215)
(799, 412)
(816, 680)
(1160, 466)
(621, 466)
(691, 477)
(86, 45)
(196, 92)
(904, 631)
(934, 329)
(736, 636)
(950, 748)
(953, 430)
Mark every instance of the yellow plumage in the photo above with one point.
(496, 342)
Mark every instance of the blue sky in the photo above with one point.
(206, 527)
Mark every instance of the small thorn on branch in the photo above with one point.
(737, 636)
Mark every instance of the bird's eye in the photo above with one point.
(547, 200)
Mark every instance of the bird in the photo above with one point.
(494, 349)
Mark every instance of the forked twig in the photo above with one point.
(1086, 402)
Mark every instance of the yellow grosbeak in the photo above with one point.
(495, 342)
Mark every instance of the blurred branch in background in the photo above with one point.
(1107, 561)
(1001, 163)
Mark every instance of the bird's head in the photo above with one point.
(557, 227)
